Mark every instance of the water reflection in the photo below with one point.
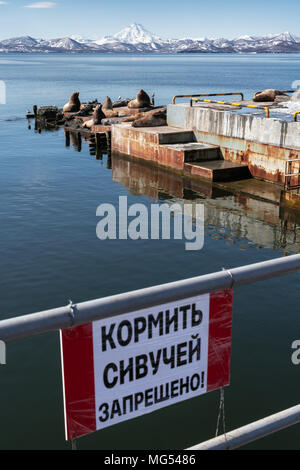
(249, 212)
(229, 215)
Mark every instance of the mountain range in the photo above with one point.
(136, 39)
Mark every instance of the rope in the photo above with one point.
(221, 413)
(74, 444)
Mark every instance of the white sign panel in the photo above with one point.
(131, 364)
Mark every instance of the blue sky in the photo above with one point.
(167, 18)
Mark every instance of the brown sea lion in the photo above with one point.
(142, 100)
(107, 108)
(157, 113)
(73, 104)
(151, 119)
(267, 95)
(133, 117)
(107, 103)
(98, 115)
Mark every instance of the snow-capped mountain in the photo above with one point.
(137, 34)
(66, 44)
(81, 39)
(135, 38)
(134, 35)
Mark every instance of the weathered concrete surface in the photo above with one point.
(174, 148)
(195, 151)
(217, 170)
(264, 144)
(241, 126)
(150, 143)
(100, 128)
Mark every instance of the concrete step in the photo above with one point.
(217, 170)
(171, 135)
(196, 152)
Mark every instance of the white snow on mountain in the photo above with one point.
(81, 39)
(21, 41)
(62, 43)
(135, 34)
(135, 38)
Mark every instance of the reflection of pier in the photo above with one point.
(255, 211)
(98, 143)
(250, 209)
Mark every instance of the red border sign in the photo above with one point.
(122, 367)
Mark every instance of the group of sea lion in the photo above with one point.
(148, 118)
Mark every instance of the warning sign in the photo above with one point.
(135, 363)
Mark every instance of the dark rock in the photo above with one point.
(47, 113)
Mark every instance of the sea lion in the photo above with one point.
(142, 100)
(107, 103)
(133, 117)
(107, 108)
(73, 104)
(96, 119)
(158, 113)
(267, 95)
(158, 117)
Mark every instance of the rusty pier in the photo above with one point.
(206, 139)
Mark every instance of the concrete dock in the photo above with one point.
(177, 149)
(203, 138)
(217, 143)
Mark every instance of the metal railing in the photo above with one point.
(232, 103)
(220, 94)
(253, 431)
(288, 175)
(76, 314)
(207, 94)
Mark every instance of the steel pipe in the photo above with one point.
(231, 103)
(253, 431)
(63, 317)
(208, 94)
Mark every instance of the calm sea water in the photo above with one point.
(50, 253)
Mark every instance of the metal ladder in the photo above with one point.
(288, 175)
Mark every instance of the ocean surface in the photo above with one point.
(50, 254)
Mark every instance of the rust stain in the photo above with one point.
(266, 162)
